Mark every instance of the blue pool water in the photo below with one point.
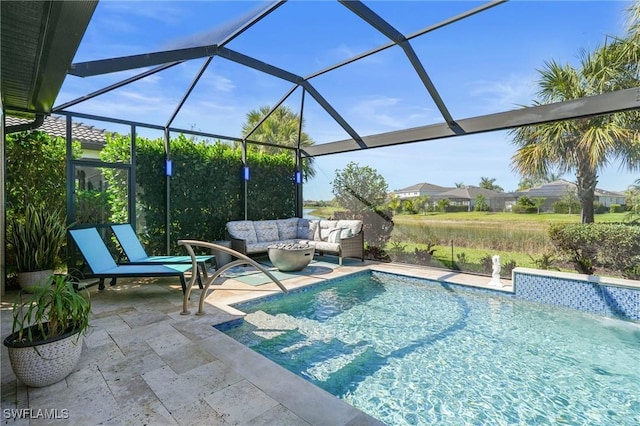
(410, 351)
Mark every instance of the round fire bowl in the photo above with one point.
(290, 257)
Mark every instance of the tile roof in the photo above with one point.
(560, 188)
(88, 136)
(471, 192)
(420, 187)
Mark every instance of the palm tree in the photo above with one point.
(487, 183)
(633, 202)
(584, 146)
(395, 204)
(529, 182)
(280, 128)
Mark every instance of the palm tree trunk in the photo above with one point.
(586, 180)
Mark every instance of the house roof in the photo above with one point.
(423, 187)
(471, 192)
(560, 188)
(88, 136)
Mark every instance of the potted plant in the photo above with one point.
(47, 331)
(36, 240)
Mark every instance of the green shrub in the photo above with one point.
(599, 208)
(443, 204)
(524, 209)
(461, 261)
(592, 245)
(486, 264)
(397, 251)
(455, 209)
(567, 207)
(616, 208)
(508, 267)
(545, 261)
(481, 204)
(423, 256)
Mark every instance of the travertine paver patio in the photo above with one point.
(145, 363)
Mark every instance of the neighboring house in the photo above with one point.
(560, 189)
(91, 140)
(420, 189)
(466, 196)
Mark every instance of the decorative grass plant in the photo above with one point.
(36, 238)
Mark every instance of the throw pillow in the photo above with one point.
(346, 233)
(334, 235)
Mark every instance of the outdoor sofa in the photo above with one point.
(343, 238)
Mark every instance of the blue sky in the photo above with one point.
(484, 64)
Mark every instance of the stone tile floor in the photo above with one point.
(143, 363)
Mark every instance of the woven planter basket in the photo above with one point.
(47, 362)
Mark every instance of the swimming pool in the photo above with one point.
(412, 351)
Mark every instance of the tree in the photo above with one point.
(408, 207)
(420, 203)
(359, 189)
(481, 204)
(395, 204)
(538, 202)
(633, 202)
(36, 179)
(459, 184)
(529, 182)
(281, 128)
(443, 204)
(487, 183)
(584, 146)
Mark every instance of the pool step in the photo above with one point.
(334, 365)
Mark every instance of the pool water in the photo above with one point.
(410, 351)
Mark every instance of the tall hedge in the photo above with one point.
(206, 188)
(36, 171)
(35, 176)
(592, 245)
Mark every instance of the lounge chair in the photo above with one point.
(138, 256)
(102, 265)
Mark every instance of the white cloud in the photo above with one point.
(209, 105)
(164, 12)
(503, 95)
(382, 113)
(141, 98)
(343, 52)
(220, 83)
(150, 79)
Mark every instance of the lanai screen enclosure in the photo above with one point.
(41, 40)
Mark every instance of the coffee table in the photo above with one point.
(290, 257)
